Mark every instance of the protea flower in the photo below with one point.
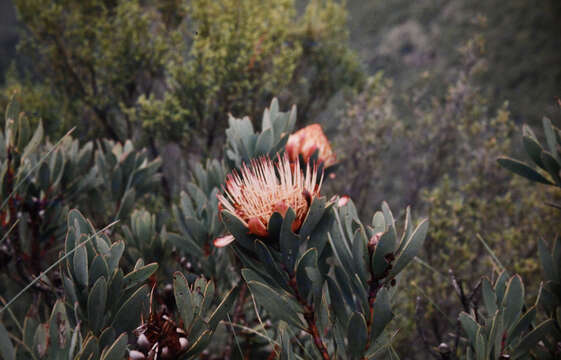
(306, 141)
(266, 187)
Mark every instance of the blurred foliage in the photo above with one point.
(95, 57)
(406, 39)
(177, 67)
(443, 157)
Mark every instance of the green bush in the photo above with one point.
(176, 68)
(442, 157)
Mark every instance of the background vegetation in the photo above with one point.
(418, 97)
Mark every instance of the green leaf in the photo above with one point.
(96, 305)
(522, 325)
(34, 142)
(90, 348)
(500, 286)
(344, 283)
(128, 315)
(357, 335)
(470, 326)
(523, 170)
(411, 247)
(199, 345)
(408, 227)
(316, 211)
(43, 176)
(107, 337)
(546, 261)
(196, 229)
(340, 250)
(480, 346)
(80, 260)
(552, 166)
(117, 350)
(115, 254)
(550, 137)
(308, 259)
(238, 229)
(385, 246)
(489, 297)
(382, 313)
(40, 340)
(264, 142)
(6, 347)
(208, 296)
(513, 300)
(495, 336)
(388, 216)
(533, 148)
(58, 332)
(279, 304)
(274, 226)
(289, 242)
(139, 275)
(286, 347)
(270, 265)
(337, 304)
(223, 308)
(379, 222)
(360, 254)
(29, 326)
(98, 268)
(531, 339)
(185, 244)
(183, 298)
(115, 289)
(127, 204)
(79, 222)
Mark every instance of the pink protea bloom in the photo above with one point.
(266, 187)
(306, 141)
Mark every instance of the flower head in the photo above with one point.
(266, 187)
(306, 141)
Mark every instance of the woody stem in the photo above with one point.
(309, 315)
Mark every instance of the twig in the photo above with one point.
(309, 316)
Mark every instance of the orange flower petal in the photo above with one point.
(306, 141)
(223, 241)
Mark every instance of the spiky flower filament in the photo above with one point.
(264, 187)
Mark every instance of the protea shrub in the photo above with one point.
(293, 272)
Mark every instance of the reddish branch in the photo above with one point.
(309, 315)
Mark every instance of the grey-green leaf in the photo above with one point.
(523, 170)
(513, 300)
(223, 308)
(139, 275)
(128, 315)
(6, 347)
(183, 298)
(357, 335)
(411, 247)
(96, 305)
(81, 265)
(282, 306)
(117, 350)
